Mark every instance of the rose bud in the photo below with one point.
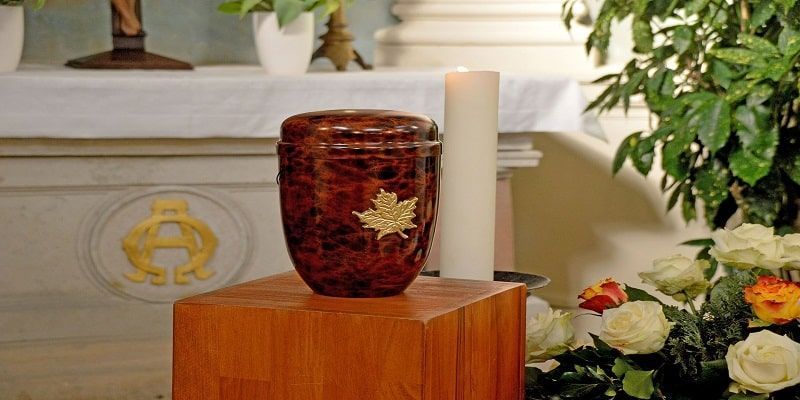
(603, 295)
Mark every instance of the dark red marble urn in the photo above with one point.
(359, 192)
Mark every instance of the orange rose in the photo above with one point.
(774, 300)
(602, 296)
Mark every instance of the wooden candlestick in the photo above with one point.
(337, 43)
(128, 52)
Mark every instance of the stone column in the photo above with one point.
(503, 35)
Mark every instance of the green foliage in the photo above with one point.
(723, 80)
(727, 314)
(287, 10)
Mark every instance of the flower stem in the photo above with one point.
(691, 304)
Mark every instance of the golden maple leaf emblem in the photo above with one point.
(389, 216)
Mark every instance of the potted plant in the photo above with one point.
(283, 31)
(12, 33)
(722, 79)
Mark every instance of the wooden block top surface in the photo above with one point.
(426, 298)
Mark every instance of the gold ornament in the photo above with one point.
(389, 216)
(169, 211)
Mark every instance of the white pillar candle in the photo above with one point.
(469, 175)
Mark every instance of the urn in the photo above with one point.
(358, 195)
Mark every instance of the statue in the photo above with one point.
(128, 38)
(127, 18)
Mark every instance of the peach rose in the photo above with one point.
(774, 300)
(602, 295)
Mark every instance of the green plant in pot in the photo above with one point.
(721, 76)
(286, 10)
(283, 30)
(12, 32)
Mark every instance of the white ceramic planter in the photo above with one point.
(12, 35)
(284, 51)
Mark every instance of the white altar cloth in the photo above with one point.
(243, 102)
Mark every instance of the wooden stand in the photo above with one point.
(274, 339)
(128, 52)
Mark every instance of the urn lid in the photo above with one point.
(358, 128)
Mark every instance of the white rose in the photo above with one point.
(764, 362)
(748, 246)
(678, 276)
(790, 244)
(635, 327)
(548, 334)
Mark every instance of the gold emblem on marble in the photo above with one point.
(389, 216)
(142, 241)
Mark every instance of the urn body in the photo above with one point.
(359, 193)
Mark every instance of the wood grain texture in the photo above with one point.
(274, 339)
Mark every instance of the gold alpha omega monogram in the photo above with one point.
(144, 238)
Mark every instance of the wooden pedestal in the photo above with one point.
(274, 339)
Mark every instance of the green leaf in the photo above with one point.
(673, 198)
(672, 157)
(759, 44)
(287, 10)
(704, 254)
(763, 201)
(775, 70)
(642, 155)
(789, 41)
(712, 120)
(578, 390)
(635, 294)
(760, 94)
(695, 6)
(753, 159)
(689, 207)
(600, 345)
(711, 185)
(762, 13)
(642, 36)
(638, 384)
(739, 90)
(624, 150)
(330, 7)
(749, 167)
(751, 123)
(602, 97)
(738, 56)
(247, 6)
(230, 7)
(698, 242)
(786, 5)
(620, 367)
(682, 38)
(721, 73)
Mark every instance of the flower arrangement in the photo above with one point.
(740, 343)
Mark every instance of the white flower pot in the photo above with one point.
(284, 51)
(12, 35)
